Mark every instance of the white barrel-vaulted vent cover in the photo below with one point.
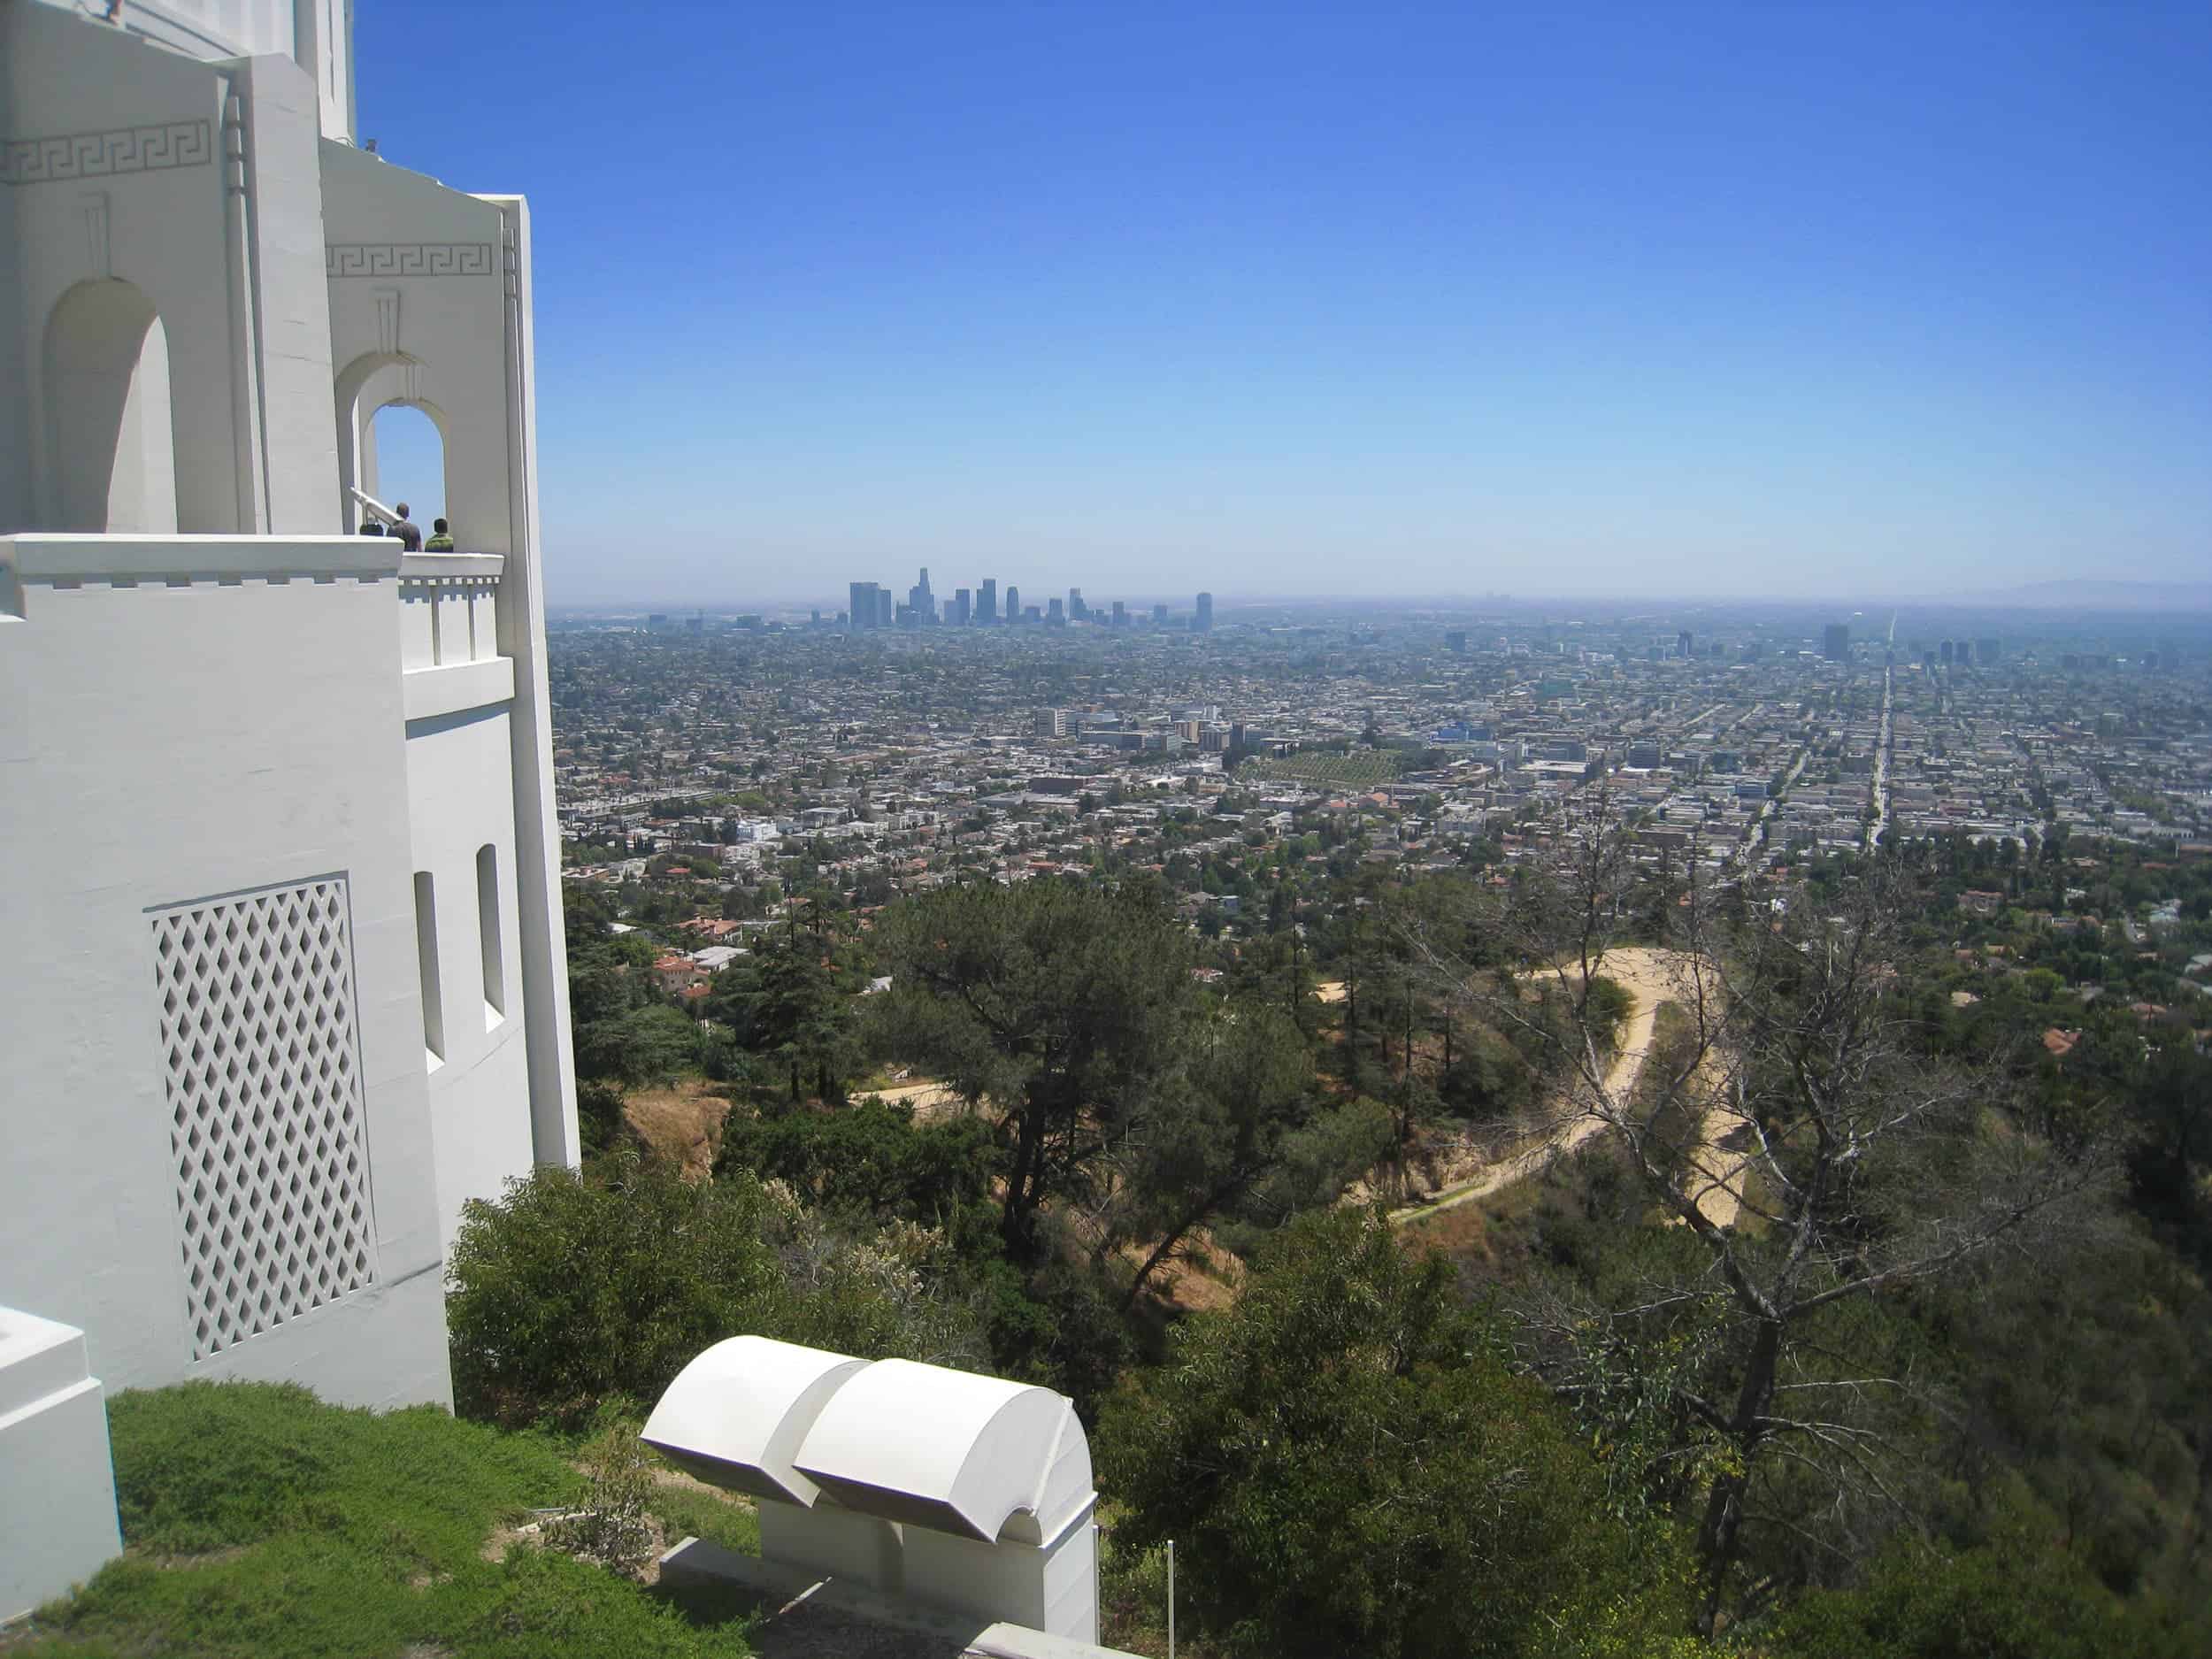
(734, 1417)
(946, 1449)
(970, 1493)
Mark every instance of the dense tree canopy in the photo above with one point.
(1349, 1465)
(1063, 1007)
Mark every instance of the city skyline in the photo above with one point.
(870, 606)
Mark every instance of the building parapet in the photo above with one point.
(59, 559)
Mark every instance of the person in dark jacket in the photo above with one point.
(408, 531)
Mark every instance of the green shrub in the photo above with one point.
(2015, 1597)
(578, 1290)
(610, 1524)
(574, 1289)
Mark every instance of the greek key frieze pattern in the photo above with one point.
(155, 149)
(407, 258)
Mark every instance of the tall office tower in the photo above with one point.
(1682, 644)
(1054, 617)
(1077, 609)
(862, 598)
(1835, 641)
(1159, 615)
(1949, 651)
(289, 1023)
(1455, 640)
(986, 601)
(1203, 621)
(923, 602)
(1121, 614)
(885, 607)
(1984, 651)
(1013, 604)
(962, 608)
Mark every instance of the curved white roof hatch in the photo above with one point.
(973, 1455)
(735, 1416)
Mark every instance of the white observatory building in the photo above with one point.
(282, 976)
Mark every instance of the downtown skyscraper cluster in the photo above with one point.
(872, 606)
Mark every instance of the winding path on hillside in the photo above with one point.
(1651, 976)
(929, 1100)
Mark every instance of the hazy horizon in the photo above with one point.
(1706, 301)
(2183, 599)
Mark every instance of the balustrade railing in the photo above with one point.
(448, 608)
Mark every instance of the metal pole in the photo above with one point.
(1170, 1599)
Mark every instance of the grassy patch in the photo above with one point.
(259, 1521)
(690, 1512)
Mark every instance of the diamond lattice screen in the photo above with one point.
(265, 1106)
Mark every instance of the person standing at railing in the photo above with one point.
(407, 530)
(441, 538)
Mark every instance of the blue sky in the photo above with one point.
(1626, 300)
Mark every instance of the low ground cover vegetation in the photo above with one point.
(259, 1520)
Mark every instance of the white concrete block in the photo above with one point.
(57, 1523)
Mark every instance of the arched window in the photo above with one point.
(110, 464)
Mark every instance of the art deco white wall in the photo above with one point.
(259, 736)
(429, 304)
(458, 773)
(316, 34)
(202, 738)
(118, 168)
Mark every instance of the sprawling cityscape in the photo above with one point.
(748, 745)
(1507, 952)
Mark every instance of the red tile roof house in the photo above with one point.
(678, 974)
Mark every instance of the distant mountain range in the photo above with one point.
(2089, 594)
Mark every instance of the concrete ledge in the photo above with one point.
(432, 566)
(697, 1563)
(431, 692)
(101, 559)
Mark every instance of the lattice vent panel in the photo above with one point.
(263, 1069)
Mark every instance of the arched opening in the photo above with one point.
(391, 439)
(110, 463)
(403, 456)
